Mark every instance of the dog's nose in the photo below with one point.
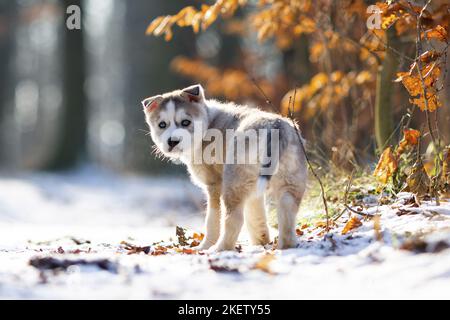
(172, 143)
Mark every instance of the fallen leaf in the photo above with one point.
(181, 235)
(194, 243)
(134, 249)
(264, 263)
(351, 224)
(49, 263)
(189, 251)
(198, 236)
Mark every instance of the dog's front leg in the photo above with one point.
(212, 224)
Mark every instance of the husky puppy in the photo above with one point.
(180, 123)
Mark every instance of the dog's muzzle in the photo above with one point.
(172, 143)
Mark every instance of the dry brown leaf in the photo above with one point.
(152, 26)
(189, 16)
(410, 139)
(438, 33)
(386, 166)
(351, 224)
(413, 83)
(418, 181)
(264, 263)
(198, 236)
(158, 250)
(134, 249)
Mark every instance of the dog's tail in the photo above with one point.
(270, 161)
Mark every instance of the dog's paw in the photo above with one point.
(204, 245)
(287, 243)
(221, 246)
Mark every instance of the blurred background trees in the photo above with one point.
(71, 96)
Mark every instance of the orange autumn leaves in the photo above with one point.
(422, 78)
(324, 90)
(221, 82)
(402, 15)
(190, 16)
(388, 162)
(283, 20)
(438, 33)
(423, 84)
(410, 138)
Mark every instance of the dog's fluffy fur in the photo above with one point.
(232, 189)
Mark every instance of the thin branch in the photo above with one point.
(418, 64)
(322, 189)
(267, 100)
(358, 212)
(347, 190)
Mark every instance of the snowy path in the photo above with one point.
(44, 215)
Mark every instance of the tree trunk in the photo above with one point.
(148, 73)
(70, 145)
(384, 124)
(6, 47)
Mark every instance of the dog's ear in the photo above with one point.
(150, 104)
(194, 93)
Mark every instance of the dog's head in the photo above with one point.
(173, 118)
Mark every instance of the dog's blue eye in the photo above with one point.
(185, 123)
(162, 125)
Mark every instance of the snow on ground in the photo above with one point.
(80, 219)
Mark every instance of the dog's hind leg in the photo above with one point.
(287, 207)
(255, 219)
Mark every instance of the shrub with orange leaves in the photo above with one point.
(423, 84)
(194, 18)
(323, 90)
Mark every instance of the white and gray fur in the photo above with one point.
(232, 189)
